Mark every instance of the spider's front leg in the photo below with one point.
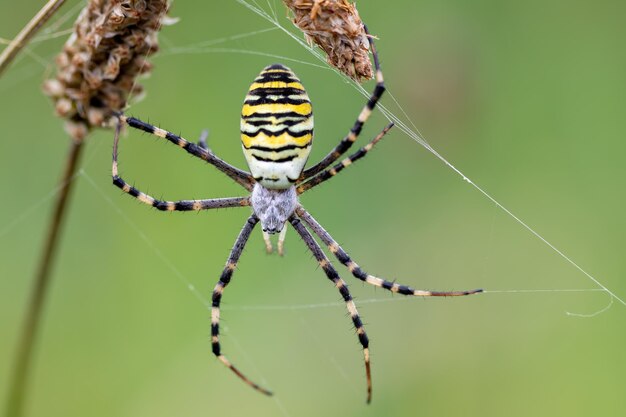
(356, 270)
(331, 172)
(355, 131)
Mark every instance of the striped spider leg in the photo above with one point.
(356, 270)
(327, 174)
(341, 285)
(241, 177)
(227, 273)
(181, 205)
(355, 131)
(196, 205)
(276, 137)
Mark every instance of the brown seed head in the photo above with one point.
(335, 26)
(97, 67)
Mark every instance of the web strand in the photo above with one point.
(166, 261)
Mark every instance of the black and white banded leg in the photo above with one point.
(241, 177)
(356, 270)
(227, 273)
(341, 285)
(181, 205)
(352, 136)
(331, 172)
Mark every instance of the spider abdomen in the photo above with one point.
(276, 127)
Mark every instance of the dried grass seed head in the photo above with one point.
(335, 26)
(97, 68)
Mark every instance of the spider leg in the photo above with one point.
(329, 173)
(356, 270)
(181, 205)
(332, 274)
(241, 177)
(227, 273)
(352, 136)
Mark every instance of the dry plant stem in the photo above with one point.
(16, 45)
(18, 385)
(96, 74)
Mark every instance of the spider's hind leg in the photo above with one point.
(332, 275)
(357, 272)
(227, 273)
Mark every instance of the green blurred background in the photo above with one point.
(528, 99)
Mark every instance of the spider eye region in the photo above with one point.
(276, 127)
(273, 207)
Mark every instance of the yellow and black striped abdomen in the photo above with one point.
(276, 127)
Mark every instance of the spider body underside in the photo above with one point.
(277, 134)
(273, 207)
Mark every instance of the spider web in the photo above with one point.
(392, 111)
(268, 12)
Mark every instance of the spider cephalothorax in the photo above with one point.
(276, 134)
(273, 207)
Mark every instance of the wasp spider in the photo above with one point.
(276, 136)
